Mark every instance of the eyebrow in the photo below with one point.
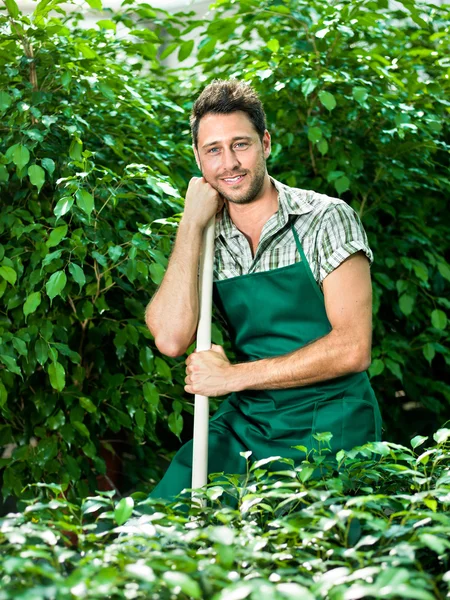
(238, 137)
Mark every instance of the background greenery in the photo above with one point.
(94, 161)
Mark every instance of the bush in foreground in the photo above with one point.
(377, 527)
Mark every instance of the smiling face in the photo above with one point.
(231, 157)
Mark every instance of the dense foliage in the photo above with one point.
(94, 160)
(378, 530)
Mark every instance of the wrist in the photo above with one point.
(190, 226)
(237, 379)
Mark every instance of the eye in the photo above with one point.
(242, 144)
(209, 151)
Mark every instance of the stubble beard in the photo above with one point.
(253, 191)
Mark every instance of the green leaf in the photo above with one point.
(376, 368)
(3, 395)
(77, 274)
(429, 352)
(5, 101)
(63, 206)
(182, 581)
(360, 94)
(49, 165)
(444, 270)
(273, 45)
(31, 303)
(56, 236)
(9, 274)
(37, 176)
(97, 4)
(185, 50)
(107, 24)
(418, 440)
(10, 364)
(85, 201)
(81, 428)
(308, 86)
(175, 422)
(56, 284)
(322, 146)
(4, 175)
(327, 99)
(439, 319)
(75, 149)
(12, 7)
(167, 51)
(394, 368)
(342, 184)
(41, 351)
(314, 134)
(162, 368)
(21, 156)
(87, 404)
(156, 273)
(57, 376)
(151, 394)
(123, 510)
(406, 304)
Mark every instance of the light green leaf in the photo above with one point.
(37, 176)
(360, 94)
(77, 274)
(85, 201)
(57, 376)
(81, 428)
(178, 580)
(162, 368)
(168, 51)
(107, 24)
(9, 274)
(97, 4)
(49, 165)
(13, 9)
(429, 352)
(156, 273)
(327, 99)
(31, 303)
(56, 236)
(418, 440)
(444, 270)
(75, 149)
(308, 86)
(10, 364)
(56, 284)
(273, 45)
(63, 206)
(123, 510)
(151, 394)
(439, 319)
(21, 156)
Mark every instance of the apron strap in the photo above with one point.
(298, 244)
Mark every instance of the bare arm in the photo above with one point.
(346, 349)
(172, 314)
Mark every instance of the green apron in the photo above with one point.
(268, 314)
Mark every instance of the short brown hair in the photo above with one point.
(227, 96)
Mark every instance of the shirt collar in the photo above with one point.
(291, 201)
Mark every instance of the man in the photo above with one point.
(292, 280)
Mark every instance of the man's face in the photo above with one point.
(231, 157)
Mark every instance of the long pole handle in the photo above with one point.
(201, 407)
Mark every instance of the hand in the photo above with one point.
(208, 372)
(201, 203)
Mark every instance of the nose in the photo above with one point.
(229, 160)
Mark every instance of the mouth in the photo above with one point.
(234, 180)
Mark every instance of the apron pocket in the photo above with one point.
(351, 421)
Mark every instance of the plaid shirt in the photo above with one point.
(328, 228)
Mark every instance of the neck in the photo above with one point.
(250, 218)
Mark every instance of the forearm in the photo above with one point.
(331, 356)
(172, 314)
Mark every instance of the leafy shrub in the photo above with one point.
(378, 529)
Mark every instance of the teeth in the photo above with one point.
(234, 178)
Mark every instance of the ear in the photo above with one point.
(197, 158)
(266, 144)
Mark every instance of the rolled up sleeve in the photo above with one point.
(341, 235)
